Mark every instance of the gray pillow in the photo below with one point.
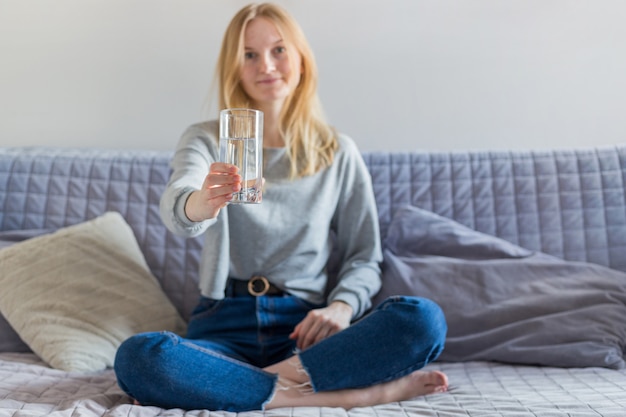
(10, 341)
(505, 303)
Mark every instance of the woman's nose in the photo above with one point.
(267, 63)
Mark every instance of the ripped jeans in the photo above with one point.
(218, 365)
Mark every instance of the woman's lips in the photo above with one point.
(268, 81)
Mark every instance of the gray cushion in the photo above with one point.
(503, 302)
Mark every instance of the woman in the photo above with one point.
(266, 333)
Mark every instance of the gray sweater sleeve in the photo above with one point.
(196, 151)
(357, 236)
(193, 156)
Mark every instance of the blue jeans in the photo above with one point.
(218, 365)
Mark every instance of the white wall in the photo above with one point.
(395, 74)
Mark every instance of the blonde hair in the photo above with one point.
(311, 143)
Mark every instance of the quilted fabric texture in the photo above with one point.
(478, 389)
(570, 204)
(566, 203)
(53, 188)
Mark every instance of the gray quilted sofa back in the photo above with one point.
(570, 204)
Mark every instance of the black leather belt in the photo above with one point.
(256, 286)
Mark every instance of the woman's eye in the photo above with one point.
(249, 55)
(280, 49)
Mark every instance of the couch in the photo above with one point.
(524, 250)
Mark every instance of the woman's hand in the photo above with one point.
(322, 323)
(217, 190)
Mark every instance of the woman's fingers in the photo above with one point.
(215, 180)
(222, 180)
(223, 168)
(217, 190)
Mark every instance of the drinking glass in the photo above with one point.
(241, 144)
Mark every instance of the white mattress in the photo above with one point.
(28, 388)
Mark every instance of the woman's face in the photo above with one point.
(269, 73)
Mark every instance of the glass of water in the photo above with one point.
(241, 144)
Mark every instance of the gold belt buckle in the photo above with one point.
(258, 281)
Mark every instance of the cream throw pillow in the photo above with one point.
(74, 295)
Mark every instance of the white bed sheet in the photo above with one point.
(28, 388)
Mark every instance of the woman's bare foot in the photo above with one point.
(401, 389)
(291, 394)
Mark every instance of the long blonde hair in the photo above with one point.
(311, 143)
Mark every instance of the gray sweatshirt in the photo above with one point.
(290, 236)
